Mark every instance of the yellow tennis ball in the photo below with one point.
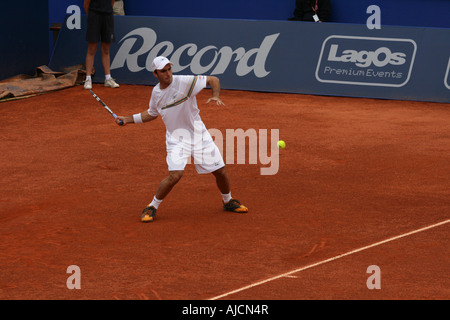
(281, 144)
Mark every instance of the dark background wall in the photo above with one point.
(27, 41)
(24, 37)
(419, 13)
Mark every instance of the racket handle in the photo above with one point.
(120, 120)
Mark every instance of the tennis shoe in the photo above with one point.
(111, 83)
(235, 206)
(148, 215)
(88, 84)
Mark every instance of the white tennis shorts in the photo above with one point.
(183, 147)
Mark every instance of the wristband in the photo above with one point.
(137, 118)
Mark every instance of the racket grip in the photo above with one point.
(120, 123)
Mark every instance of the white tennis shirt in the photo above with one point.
(177, 103)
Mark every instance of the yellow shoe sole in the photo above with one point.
(146, 218)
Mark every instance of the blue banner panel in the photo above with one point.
(402, 63)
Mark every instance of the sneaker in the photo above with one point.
(88, 84)
(235, 206)
(111, 83)
(148, 214)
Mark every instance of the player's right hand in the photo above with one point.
(120, 121)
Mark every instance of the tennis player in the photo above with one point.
(174, 98)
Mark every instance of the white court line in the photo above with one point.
(328, 260)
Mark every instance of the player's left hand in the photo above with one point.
(217, 100)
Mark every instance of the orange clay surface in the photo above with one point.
(355, 172)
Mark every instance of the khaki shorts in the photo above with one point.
(118, 8)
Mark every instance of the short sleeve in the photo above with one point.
(198, 85)
(152, 108)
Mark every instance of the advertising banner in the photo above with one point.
(403, 63)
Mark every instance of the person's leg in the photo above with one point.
(210, 160)
(223, 183)
(92, 37)
(90, 55)
(106, 59)
(165, 186)
(106, 62)
(107, 37)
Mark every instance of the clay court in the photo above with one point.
(361, 182)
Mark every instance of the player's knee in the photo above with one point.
(220, 172)
(92, 49)
(105, 48)
(174, 177)
(105, 51)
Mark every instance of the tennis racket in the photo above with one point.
(106, 107)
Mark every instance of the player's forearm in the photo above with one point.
(214, 84)
(144, 117)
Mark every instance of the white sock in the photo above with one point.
(88, 78)
(226, 197)
(155, 203)
(107, 77)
